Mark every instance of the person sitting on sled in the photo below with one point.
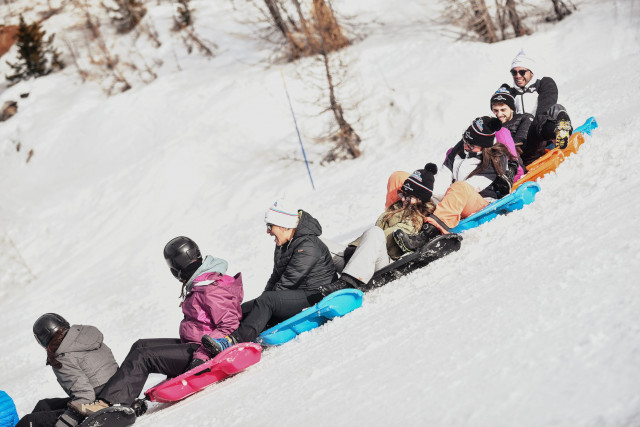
(82, 363)
(211, 306)
(302, 264)
(376, 247)
(515, 127)
(551, 123)
(8, 413)
(475, 173)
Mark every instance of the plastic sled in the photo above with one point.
(230, 361)
(114, 416)
(433, 250)
(553, 158)
(524, 195)
(335, 305)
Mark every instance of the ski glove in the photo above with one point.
(195, 363)
(139, 406)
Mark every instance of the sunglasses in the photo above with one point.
(269, 226)
(469, 145)
(521, 72)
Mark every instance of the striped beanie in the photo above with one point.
(420, 183)
(502, 96)
(482, 131)
(282, 213)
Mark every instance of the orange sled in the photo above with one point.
(551, 160)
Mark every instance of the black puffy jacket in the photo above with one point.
(519, 126)
(304, 262)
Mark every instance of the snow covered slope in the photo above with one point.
(534, 322)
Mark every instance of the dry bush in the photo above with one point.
(126, 14)
(183, 24)
(312, 29)
(308, 31)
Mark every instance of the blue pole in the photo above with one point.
(295, 122)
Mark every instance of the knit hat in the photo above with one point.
(524, 61)
(282, 213)
(482, 131)
(502, 96)
(420, 182)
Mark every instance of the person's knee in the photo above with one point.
(371, 235)
(557, 112)
(41, 406)
(138, 344)
(374, 231)
(266, 298)
(461, 187)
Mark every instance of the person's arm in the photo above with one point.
(547, 95)
(304, 257)
(520, 136)
(218, 303)
(74, 381)
(273, 279)
(503, 136)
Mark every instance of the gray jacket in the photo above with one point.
(87, 363)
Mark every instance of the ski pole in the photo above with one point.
(295, 122)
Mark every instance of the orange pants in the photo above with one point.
(460, 201)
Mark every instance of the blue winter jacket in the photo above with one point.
(8, 413)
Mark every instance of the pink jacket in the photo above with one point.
(212, 307)
(504, 136)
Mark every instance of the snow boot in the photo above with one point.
(87, 409)
(215, 346)
(563, 130)
(413, 242)
(345, 281)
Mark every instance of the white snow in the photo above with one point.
(534, 322)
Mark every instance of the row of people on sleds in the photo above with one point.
(480, 168)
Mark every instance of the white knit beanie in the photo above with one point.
(282, 213)
(524, 61)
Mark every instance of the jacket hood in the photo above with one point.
(307, 225)
(81, 338)
(209, 265)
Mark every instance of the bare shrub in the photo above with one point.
(126, 14)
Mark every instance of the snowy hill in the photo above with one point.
(534, 322)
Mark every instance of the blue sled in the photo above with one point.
(587, 127)
(335, 305)
(523, 195)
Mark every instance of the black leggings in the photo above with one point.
(166, 356)
(270, 308)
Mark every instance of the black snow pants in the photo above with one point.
(271, 308)
(542, 133)
(47, 412)
(166, 356)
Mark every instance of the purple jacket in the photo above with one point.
(212, 307)
(504, 136)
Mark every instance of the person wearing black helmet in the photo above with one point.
(82, 363)
(210, 304)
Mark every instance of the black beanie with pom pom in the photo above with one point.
(420, 183)
(482, 131)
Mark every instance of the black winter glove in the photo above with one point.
(139, 406)
(512, 169)
(195, 363)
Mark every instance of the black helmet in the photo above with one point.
(183, 257)
(46, 326)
